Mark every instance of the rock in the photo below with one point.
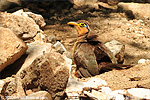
(75, 88)
(117, 48)
(22, 26)
(105, 90)
(89, 3)
(34, 50)
(11, 47)
(40, 38)
(105, 93)
(113, 2)
(28, 92)
(51, 39)
(59, 47)
(82, 2)
(39, 20)
(7, 4)
(13, 88)
(95, 82)
(68, 54)
(49, 72)
(1, 85)
(136, 10)
(143, 60)
(117, 95)
(40, 95)
(139, 93)
(105, 5)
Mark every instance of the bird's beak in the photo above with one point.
(73, 23)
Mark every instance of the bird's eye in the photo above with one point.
(82, 24)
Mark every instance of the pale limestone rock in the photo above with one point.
(39, 20)
(22, 26)
(105, 5)
(76, 88)
(51, 39)
(2, 82)
(13, 88)
(90, 3)
(143, 61)
(40, 38)
(11, 47)
(105, 90)
(40, 95)
(140, 93)
(117, 48)
(95, 82)
(49, 71)
(28, 92)
(105, 93)
(34, 50)
(59, 47)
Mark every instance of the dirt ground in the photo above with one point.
(111, 25)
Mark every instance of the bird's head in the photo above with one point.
(81, 26)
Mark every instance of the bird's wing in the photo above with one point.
(93, 37)
(107, 52)
(85, 58)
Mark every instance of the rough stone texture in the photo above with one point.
(75, 87)
(41, 95)
(22, 26)
(48, 72)
(59, 47)
(51, 39)
(83, 2)
(39, 20)
(105, 93)
(34, 50)
(117, 48)
(11, 47)
(2, 82)
(13, 88)
(40, 38)
(105, 5)
(137, 76)
(139, 93)
(139, 11)
(28, 92)
(90, 3)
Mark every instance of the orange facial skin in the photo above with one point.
(81, 30)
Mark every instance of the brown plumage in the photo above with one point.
(91, 55)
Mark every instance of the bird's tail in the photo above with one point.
(106, 66)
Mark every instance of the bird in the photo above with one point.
(89, 54)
